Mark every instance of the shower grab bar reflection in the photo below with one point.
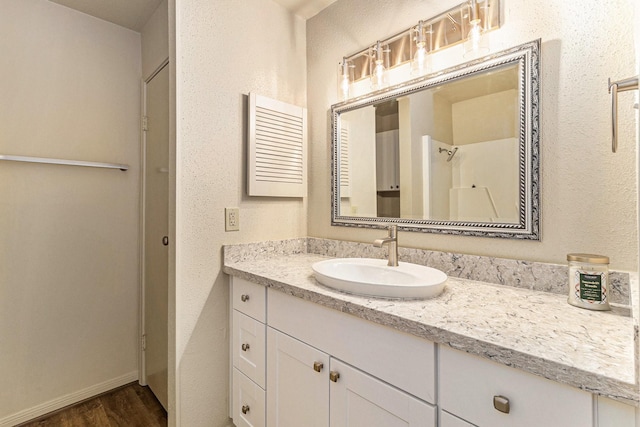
(614, 87)
(64, 162)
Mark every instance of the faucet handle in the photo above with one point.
(393, 230)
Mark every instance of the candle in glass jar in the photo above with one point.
(589, 281)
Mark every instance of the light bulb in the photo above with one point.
(474, 36)
(419, 65)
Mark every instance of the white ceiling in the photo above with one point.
(305, 8)
(133, 14)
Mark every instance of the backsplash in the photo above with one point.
(521, 274)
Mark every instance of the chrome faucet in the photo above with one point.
(392, 241)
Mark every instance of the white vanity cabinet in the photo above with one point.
(298, 363)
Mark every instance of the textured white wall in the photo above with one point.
(589, 195)
(224, 50)
(70, 88)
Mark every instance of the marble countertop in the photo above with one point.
(535, 331)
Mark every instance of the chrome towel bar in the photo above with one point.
(614, 87)
(64, 162)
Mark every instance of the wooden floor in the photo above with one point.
(131, 405)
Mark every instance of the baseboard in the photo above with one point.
(69, 399)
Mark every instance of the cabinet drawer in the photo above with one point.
(402, 360)
(468, 385)
(249, 347)
(248, 402)
(249, 298)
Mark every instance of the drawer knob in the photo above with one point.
(317, 366)
(333, 376)
(245, 409)
(245, 347)
(501, 403)
(244, 297)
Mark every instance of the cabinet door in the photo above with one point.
(448, 420)
(360, 400)
(387, 158)
(297, 383)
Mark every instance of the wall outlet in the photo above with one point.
(231, 219)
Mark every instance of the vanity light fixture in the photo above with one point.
(421, 60)
(476, 43)
(466, 23)
(379, 65)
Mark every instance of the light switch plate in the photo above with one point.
(231, 219)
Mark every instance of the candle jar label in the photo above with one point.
(590, 287)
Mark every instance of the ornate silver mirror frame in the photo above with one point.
(527, 226)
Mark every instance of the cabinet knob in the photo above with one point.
(245, 409)
(245, 347)
(244, 298)
(501, 403)
(317, 366)
(333, 376)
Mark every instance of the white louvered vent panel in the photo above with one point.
(277, 148)
(345, 188)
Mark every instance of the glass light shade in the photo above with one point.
(420, 58)
(476, 43)
(379, 78)
(345, 79)
(421, 62)
(379, 66)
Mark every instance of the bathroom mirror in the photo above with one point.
(453, 152)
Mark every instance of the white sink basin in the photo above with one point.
(373, 277)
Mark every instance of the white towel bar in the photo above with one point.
(614, 87)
